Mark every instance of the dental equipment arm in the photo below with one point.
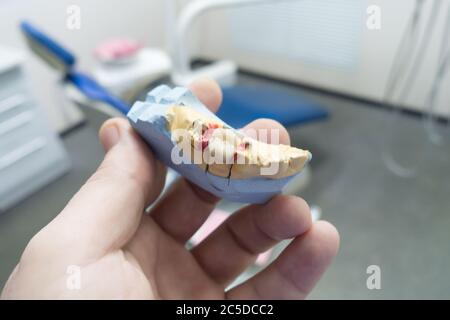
(180, 54)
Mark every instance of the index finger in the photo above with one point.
(208, 92)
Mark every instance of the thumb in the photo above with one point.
(106, 211)
(129, 160)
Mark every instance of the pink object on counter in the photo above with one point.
(216, 218)
(116, 49)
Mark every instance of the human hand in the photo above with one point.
(122, 253)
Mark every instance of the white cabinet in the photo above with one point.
(31, 154)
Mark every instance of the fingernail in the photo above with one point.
(110, 136)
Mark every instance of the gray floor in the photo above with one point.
(400, 224)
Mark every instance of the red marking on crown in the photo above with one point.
(206, 134)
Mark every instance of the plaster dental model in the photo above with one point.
(190, 139)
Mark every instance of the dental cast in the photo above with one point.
(226, 152)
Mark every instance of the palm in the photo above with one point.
(169, 269)
(124, 277)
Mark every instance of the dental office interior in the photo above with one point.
(363, 85)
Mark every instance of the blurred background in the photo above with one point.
(361, 84)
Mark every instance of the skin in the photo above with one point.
(124, 254)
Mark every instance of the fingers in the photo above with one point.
(268, 129)
(106, 211)
(297, 270)
(185, 207)
(208, 92)
(236, 244)
(181, 209)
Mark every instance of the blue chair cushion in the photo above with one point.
(245, 103)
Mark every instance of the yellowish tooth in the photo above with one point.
(220, 170)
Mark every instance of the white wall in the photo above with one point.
(100, 20)
(211, 37)
(368, 80)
